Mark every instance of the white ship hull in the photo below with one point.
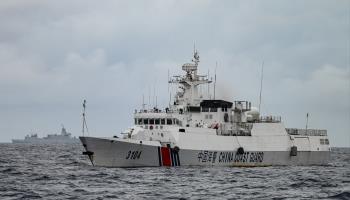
(117, 152)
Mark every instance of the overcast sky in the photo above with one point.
(54, 54)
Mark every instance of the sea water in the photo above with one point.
(62, 172)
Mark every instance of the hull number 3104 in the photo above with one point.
(132, 155)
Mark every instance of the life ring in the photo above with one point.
(176, 149)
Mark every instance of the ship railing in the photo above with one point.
(242, 129)
(270, 119)
(245, 126)
(307, 132)
(154, 111)
(241, 132)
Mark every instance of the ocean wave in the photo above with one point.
(34, 172)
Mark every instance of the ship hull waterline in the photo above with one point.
(116, 152)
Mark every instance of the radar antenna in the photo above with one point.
(195, 57)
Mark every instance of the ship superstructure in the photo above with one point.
(198, 131)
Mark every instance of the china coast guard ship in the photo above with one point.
(208, 132)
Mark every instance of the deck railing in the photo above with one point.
(154, 111)
(270, 119)
(307, 132)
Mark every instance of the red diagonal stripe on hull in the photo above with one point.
(166, 156)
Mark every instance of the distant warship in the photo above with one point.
(63, 138)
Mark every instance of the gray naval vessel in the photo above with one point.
(63, 138)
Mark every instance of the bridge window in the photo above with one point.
(326, 141)
(162, 121)
(169, 121)
(224, 109)
(205, 109)
(213, 109)
(208, 116)
(151, 121)
(193, 109)
(140, 121)
(156, 121)
(178, 122)
(145, 121)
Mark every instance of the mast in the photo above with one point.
(149, 97)
(307, 121)
(216, 65)
(261, 84)
(84, 119)
(143, 102)
(188, 94)
(208, 87)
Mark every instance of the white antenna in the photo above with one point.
(149, 97)
(169, 92)
(84, 119)
(156, 102)
(307, 121)
(216, 65)
(143, 102)
(154, 95)
(208, 86)
(261, 84)
(194, 48)
(168, 80)
(169, 99)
